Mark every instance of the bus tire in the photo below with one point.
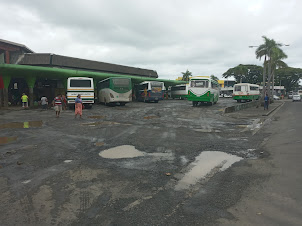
(122, 104)
(156, 101)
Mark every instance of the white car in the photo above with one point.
(296, 97)
(276, 97)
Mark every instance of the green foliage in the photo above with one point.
(245, 73)
(288, 77)
(186, 75)
(214, 78)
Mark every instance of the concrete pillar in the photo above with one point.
(1, 97)
(5, 97)
(6, 81)
(7, 57)
(31, 84)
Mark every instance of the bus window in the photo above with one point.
(200, 84)
(80, 83)
(237, 88)
(121, 82)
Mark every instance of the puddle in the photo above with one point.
(26, 181)
(238, 138)
(208, 162)
(99, 144)
(207, 130)
(18, 125)
(101, 123)
(6, 140)
(151, 117)
(96, 116)
(124, 151)
(68, 161)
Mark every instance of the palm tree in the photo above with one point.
(277, 56)
(186, 75)
(214, 78)
(266, 50)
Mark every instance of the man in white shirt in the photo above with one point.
(44, 102)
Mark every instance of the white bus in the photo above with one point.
(179, 91)
(83, 86)
(203, 89)
(115, 90)
(244, 92)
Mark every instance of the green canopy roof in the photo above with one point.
(23, 71)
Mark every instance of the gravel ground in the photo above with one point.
(165, 163)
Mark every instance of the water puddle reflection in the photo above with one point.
(124, 151)
(208, 162)
(18, 125)
(5, 140)
(99, 144)
(151, 117)
(96, 116)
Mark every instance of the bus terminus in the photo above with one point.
(203, 89)
(115, 90)
(83, 86)
(246, 92)
(179, 91)
(150, 91)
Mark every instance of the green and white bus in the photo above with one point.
(244, 92)
(203, 89)
(179, 91)
(115, 90)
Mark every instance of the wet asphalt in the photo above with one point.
(53, 172)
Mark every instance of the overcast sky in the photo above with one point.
(169, 36)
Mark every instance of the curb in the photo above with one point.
(271, 111)
(240, 107)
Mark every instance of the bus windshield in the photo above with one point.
(200, 83)
(120, 82)
(156, 84)
(80, 83)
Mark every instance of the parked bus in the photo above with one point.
(149, 91)
(246, 92)
(115, 90)
(179, 91)
(203, 89)
(83, 86)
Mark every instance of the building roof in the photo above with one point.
(53, 60)
(28, 50)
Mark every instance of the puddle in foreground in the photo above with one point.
(203, 165)
(18, 125)
(96, 116)
(5, 140)
(124, 151)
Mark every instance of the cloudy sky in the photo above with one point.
(169, 36)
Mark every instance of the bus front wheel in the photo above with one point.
(195, 103)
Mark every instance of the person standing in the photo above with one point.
(266, 102)
(78, 106)
(64, 102)
(44, 102)
(57, 103)
(24, 99)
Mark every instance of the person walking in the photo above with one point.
(44, 102)
(57, 103)
(78, 106)
(24, 99)
(266, 102)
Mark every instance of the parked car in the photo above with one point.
(276, 97)
(296, 97)
(290, 95)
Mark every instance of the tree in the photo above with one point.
(289, 77)
(245, 73)
(214, 78)
(267, 50)
(186, 75)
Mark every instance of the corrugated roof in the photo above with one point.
(17, 44)
(52, 60)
